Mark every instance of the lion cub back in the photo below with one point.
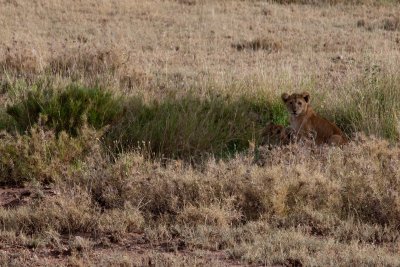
(326, 131)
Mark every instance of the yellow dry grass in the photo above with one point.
(193, 43)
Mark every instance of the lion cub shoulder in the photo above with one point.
(304, 121)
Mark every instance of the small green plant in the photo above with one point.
(6, 121)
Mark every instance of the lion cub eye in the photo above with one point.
(299, 103)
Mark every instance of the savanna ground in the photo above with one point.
(130, 133)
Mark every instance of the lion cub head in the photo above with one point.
(297, 104)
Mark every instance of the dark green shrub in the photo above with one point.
(66, 110)
(6, 121)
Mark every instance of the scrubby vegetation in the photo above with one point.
(192, 126)
(124, 151)
(249, 204)
(297, 198)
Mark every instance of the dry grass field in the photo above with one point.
(130, 133)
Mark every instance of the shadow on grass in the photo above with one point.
(189, 127)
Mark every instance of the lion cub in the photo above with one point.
(305, 122)
(274, 134)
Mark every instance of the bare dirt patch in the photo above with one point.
(12, 197)
(133, 250)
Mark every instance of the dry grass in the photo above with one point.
(335, 2)
(175, 52)
(199, 85)
(311, 205)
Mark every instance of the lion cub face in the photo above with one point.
(296, 104)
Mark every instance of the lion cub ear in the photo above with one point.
(306, 96)
(285, 97)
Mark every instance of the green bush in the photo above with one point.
(66, 110)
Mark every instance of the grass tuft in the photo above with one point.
(265, 44)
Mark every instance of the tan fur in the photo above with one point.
(274, 134)
(305, 122)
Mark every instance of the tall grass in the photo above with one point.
(371, 106)
(187, 126)
(190, 126)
